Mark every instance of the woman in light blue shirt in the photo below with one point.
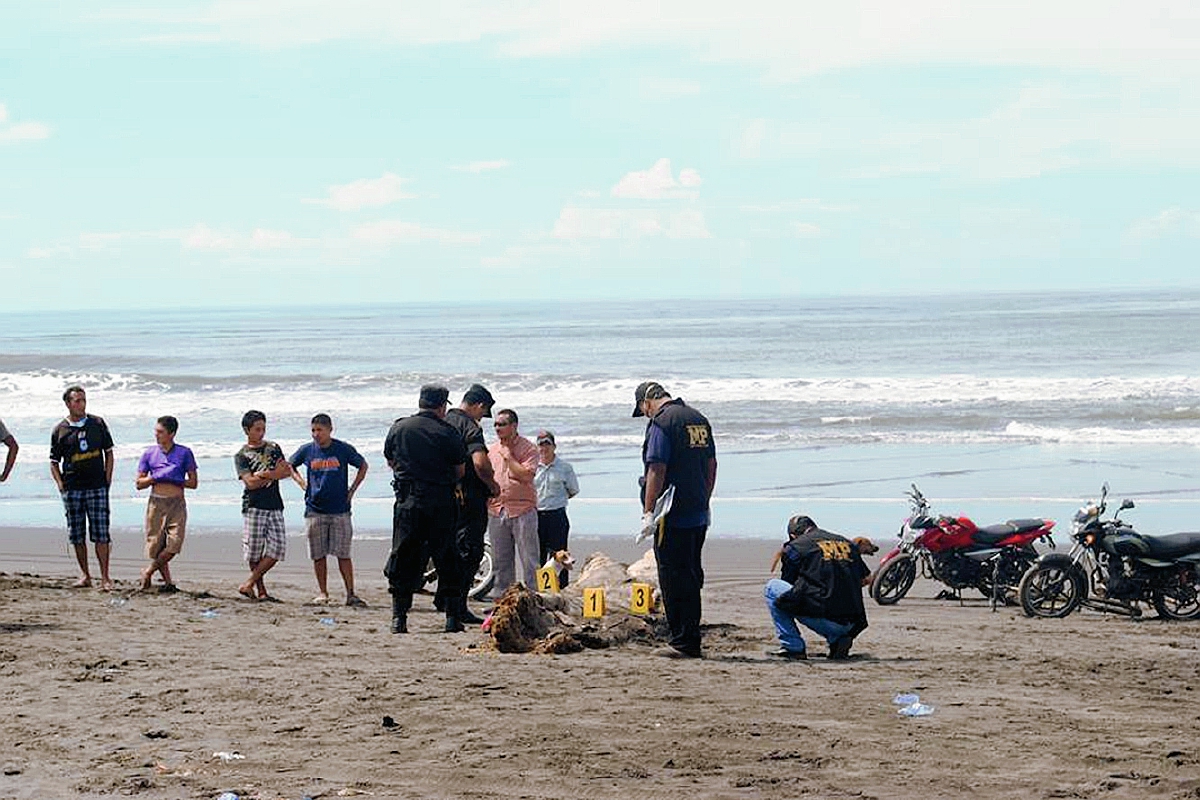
(555, 483)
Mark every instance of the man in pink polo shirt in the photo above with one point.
(512, 514)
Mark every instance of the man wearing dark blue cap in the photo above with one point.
(678, 451)
(476, 486)
(428, 459)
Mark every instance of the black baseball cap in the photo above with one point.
(433, 396)
(799, 524)
(478, 394)
(647, 390)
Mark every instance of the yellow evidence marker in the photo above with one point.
(593, 602)
(641, 598)
(547, 580)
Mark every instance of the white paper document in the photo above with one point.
(661, 507)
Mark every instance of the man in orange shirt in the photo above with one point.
(512, 514)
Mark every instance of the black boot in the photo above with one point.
(465, 615)
(453, 620)
(399, 616)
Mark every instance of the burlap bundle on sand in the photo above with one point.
(600, 571)
(524, 621)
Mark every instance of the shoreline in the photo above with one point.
(212, 557)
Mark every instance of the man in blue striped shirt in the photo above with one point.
(556, 483)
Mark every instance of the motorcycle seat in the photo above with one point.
(991, 534)
(1026, 525)
(1173, 545)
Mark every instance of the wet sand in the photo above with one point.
(129, 694)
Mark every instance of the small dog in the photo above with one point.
(560, 561)
(865, 546)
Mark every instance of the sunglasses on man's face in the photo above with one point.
(502, 424)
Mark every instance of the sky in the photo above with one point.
(271, 152)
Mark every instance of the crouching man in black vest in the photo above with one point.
(823, 575)
(678, 451)
(428, 458)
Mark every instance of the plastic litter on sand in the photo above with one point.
(209, 613)
(911, 705)
(915, 710)
(227, 756)
(328, 621)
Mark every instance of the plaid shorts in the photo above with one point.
(87, 514)
(263, 535)
(328, 535)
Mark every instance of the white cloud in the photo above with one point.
(801, 204)
(397, 231)
(653, 88)
(657, 183)
(365, 193)
(806, 230)
(788, 39)
(1035, 130)
(53, 251)
(267, 239)
(257, 241)
(13, 132)
(749, 143)
(532, 252)
(627, 223)
(202, 237)
(482, 166)
(1169, 221)
(199, 237)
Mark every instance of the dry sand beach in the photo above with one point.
(132, 694)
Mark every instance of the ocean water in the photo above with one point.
(996, 405)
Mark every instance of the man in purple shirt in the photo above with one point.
(166, 469)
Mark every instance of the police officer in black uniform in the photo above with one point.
(678, 451)
(427, 458)
(476, 486)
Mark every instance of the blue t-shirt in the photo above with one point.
(328, 476)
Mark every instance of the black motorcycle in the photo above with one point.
(1112, 567)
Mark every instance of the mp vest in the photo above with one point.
(691, 448)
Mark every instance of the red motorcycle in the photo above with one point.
(954, 551)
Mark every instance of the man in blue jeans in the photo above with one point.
(821, 588)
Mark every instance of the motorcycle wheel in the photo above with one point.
(1183, 599)
(484, 580)
(893, 580)
(1051, 590)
